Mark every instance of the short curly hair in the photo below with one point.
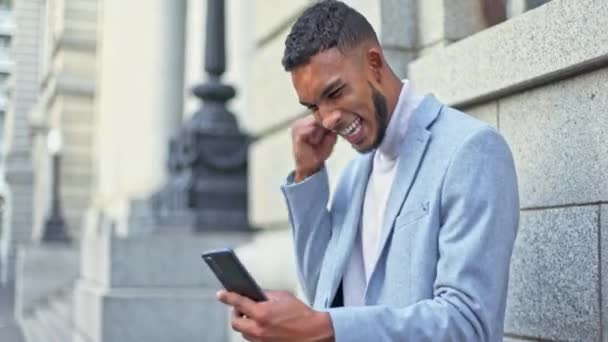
(324, 25)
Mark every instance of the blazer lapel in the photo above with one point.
(412, 152)
(350, 227)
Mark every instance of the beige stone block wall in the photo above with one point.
(139, 97)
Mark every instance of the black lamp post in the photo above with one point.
(55, 229)
(207, 183)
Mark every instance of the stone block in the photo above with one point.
(150, 314)
(604, 264)
(43, 270)
(557, 135)
(268, 253)
(487, 112)
(164, 259)
(431, 26)
(271, 15)
(515, 339)
(398, 23)
(399, 60)
(554, 283)
(266, 176)
(554, 40)
(151, 287)
(463, 18)
(275, 99)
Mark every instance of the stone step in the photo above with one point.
(54, 327)
(63, 309)
(11, 333)
(32, 329)
(50, 321)
(61, 325)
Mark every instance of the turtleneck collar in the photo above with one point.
(398, 124)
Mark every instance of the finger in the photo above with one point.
(329, 140)
(240, 303)
(276, 295)
(244, 326)
(237, 314)
(304, 123)
(251, 338)
(317, 135)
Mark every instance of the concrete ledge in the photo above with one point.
(554, 41)
(166, 259)
(152, 315)
(150, 287)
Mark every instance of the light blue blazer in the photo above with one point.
(446, 242)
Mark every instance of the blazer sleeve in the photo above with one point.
(310, 220)
(479, 220)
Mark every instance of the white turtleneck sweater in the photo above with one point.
(386, 158)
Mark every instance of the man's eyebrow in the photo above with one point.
(330, 88)
(325, 93)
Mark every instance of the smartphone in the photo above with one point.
(232, 274)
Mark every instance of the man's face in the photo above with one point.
(338, 89)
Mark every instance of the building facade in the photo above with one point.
(114, 77)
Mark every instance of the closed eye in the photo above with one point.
(312, 108)
(335, 94)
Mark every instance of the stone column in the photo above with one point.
(399, 32)
(140, 95)
(18, 161)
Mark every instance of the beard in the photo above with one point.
(381, 115)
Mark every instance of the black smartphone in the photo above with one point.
(232, 274)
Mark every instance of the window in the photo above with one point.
(517, 7)
(497, 11)
(6, 4)
(5, 42)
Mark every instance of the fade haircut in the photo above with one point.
(325, 25)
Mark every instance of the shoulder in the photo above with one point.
(459, 131)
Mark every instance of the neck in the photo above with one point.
(393, 90)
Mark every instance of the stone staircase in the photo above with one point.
(9, 329)
(50, 320)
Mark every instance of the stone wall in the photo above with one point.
(540, 78)
(18, 158)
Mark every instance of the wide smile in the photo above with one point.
(353, 132)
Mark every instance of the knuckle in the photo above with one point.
(258, 332)
(263, 317)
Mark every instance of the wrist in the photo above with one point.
(322, 327)
(302, 174)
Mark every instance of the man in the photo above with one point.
(416, 242)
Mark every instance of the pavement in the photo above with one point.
(9, 330)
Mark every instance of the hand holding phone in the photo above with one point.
(232, 274)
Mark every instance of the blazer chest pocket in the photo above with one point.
(411, 215)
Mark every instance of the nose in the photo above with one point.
(330, 118)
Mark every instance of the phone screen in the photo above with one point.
(232, 274)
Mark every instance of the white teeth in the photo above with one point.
(352, 128)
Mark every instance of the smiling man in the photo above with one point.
(416, 242)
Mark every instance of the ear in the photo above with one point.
(375, 62)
